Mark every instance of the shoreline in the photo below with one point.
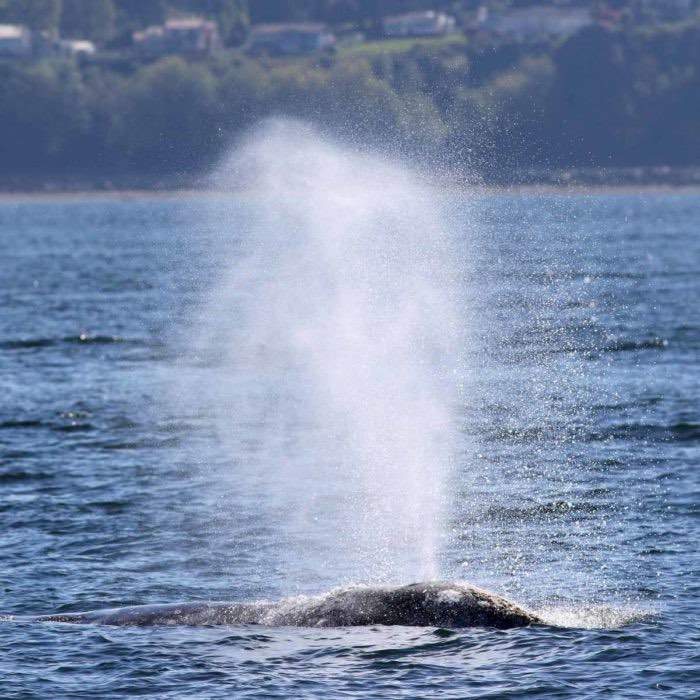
(656, 179)
(540, 189)
(573, 181)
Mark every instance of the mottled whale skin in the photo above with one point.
(434, 604)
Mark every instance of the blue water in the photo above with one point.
(575, 492)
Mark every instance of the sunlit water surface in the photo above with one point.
(574, 492)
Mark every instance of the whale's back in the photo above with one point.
(420, 604)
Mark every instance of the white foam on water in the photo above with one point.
(593, 616)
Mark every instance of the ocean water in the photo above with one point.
(574, 491)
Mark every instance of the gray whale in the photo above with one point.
(434, 604)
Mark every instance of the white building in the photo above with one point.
(531, 23)
(428, 23)
(185, 35)
(15, 41)
(76, 47)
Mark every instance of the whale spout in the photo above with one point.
(431, 604)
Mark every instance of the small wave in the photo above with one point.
(541, 511)
(629, 345)
(74, 428)
(19, 475)
(612, 345)
(681, 431)
(19, 424)
(27, 344)
(87, 339)
(144, 443)
(592, 616)
(620, 345)
(685, 430)
(71, 423)
(524, 349)
(81, 339)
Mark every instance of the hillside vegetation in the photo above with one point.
(600, 98)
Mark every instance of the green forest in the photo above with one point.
(623, 97)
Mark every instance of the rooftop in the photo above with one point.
(414, 16)
(79, 45)
(177, 23)
(12, 31)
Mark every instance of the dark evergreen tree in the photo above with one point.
(36, 14)
(88, 19)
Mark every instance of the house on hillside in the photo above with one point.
(78, 48)
(15, 41)
(428, 23)
(535, 22)
(289, 39)
(187, 35)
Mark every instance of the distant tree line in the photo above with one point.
(602, 97)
